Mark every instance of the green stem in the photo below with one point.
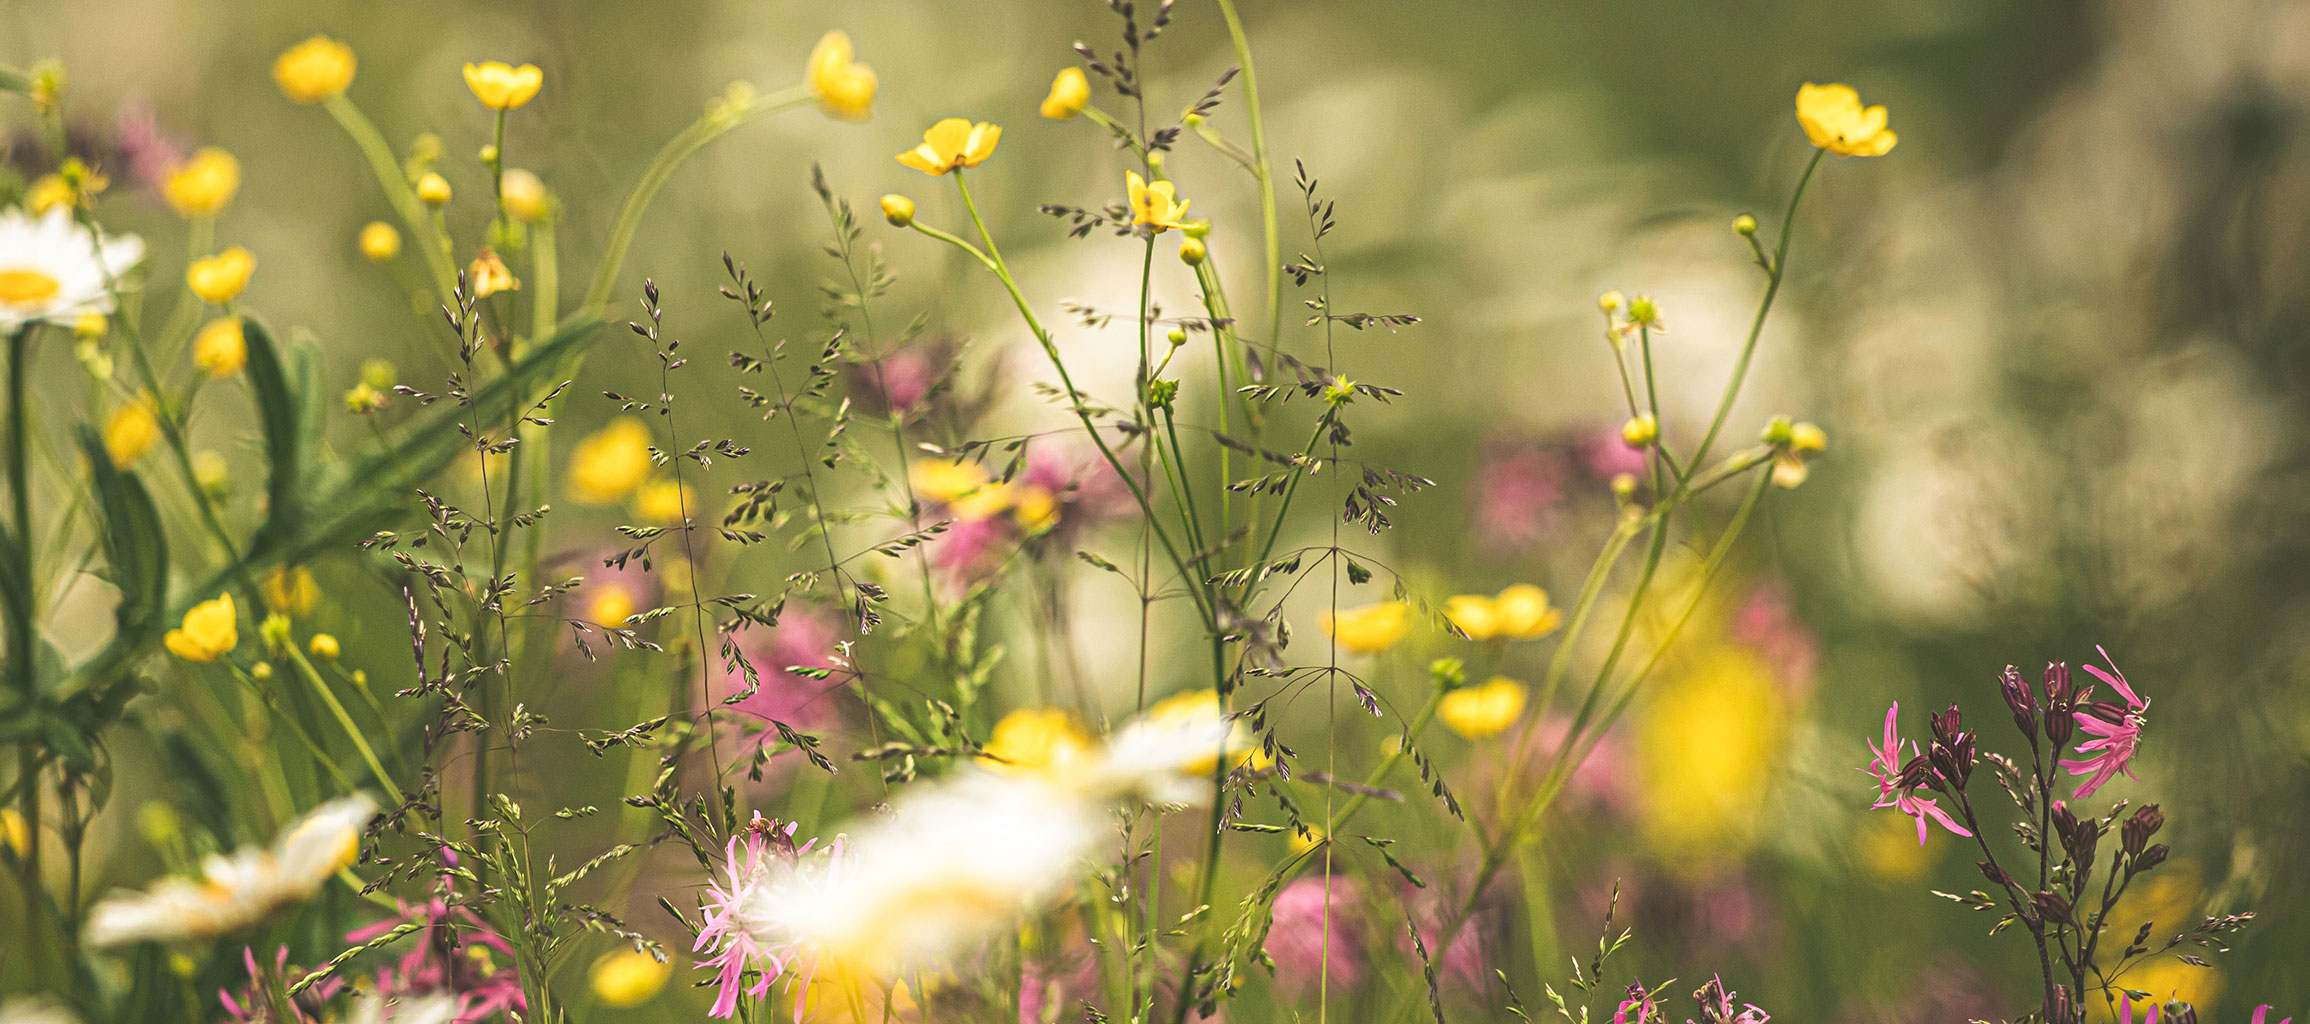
(397, 191)
(1263, 170)
(336, 708)
(1774, 273)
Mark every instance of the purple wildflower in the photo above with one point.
(2117, 730)
(1887, 769)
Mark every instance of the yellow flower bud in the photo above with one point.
(1192, 252)
(627, 977)
(362, 399)
(203, 185)
(211, 472)
(1805, 437)
(261, 671)
(379, 242)
(221, 349)
(1177, 336)
(324, 647)
(525, 196)
(501, 86)
(1610, 301)
(1069, 93)
(844, 87)
(1640, 431)
(433, 189)
(487, 153)
(314, 70)
(898, 210)
(90, 326)
(130, 430)
(221, 278)
(1744, 225)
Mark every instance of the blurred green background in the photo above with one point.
(2056, 338)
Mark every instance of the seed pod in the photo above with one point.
(2138, 829)
(2020, 701)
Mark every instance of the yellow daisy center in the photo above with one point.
(24, 286)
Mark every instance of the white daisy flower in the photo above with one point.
(51, 269)
(241, 889)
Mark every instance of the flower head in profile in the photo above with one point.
(487, 275)
(221, 278)
(314, 70)
(624, 978)
(1044, 740)
(49, 270)
(242, 889)
(1887, 767)
(130, 430)
(844, 88)
(1155, 207)
(1716, 1006)
(1370, 629)
(290, 590)
(1521, 612)
(203, 185)
(210, 631)
(221, 349)
(1835, 120)
(1485, 710)
(501, 86)
(2116, 730)
(610, 463)
(952, 145)
(1070, 92)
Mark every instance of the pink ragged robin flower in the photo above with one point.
(740, 917)
(2117, 730)
(1886, 767)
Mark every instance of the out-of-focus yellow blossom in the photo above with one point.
(90, 326)
(1640, 431)
(324, 647)
(13, 833)
(1745, 225)
(661, 502)
(1370, 629)
(361, 399)
(48, 192)
(612, 605)
(487, 275)
(1035, 509)
(628, 977)
(221, 278)
(203, 185)
(131, 430)
(951, 145)
(1487, 710)
(2164, 978)
(1070, 92)
(209, 632)
(963, 487)
(221, 349)
(526, 199)
(1521, 612)
(291, 590)
(610, 462)
(1155, 206)
(1198, 705)
(433, 189)
(1302, 843)
(1835, 120)
(1794, 445)
(1707, 746)
(844, 87)
(898, 210)
(1036, 740)
(379, 242)
(211, 473)
(1887, 846)
(501, 86)
(314, 70)
(47, 87)
(1611, 301)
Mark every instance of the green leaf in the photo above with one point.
(281, 412)
(135, 547)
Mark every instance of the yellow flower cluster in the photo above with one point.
(971, 495)
(1521, 612)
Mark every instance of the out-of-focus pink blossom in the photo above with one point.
(150, 154)
(803, 638)
(1767, 622)
(1607, 456)
(1315, 933)
(2116, 730)
(453, 953)
(1516, 493)
(1886, 768)
(250, 1006)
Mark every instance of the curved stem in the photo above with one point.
(1732, 388)
(1262, 168)
(397, 191)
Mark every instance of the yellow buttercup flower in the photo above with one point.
(501, 86)
(130, 430)
(1370, 629)
(966, 490)
(209, 631)
(203, 185)
(433, 189)
(221, 278)
(612, 606)
(898, 210)
(661, 502)
(1708, 745)
(525, 196)
(1487, 710)
(325, 647)
(844, 87)
(1835, 120)
(1070, 92)
(1521, 612)
(951, 145)
(1035, 741)
(220, 349)
(379, 242)
(487, 275)
(47, 193)
(628, 977)
(610, 463)
(291, 590)
(1155, 206)
(1035, 509)
(314, 70)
